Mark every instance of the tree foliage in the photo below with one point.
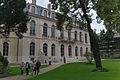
(80, 9)
(109, 12)
(12, 17)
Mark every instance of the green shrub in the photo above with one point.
(89, 56)
(3, 60)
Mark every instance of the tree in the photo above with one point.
(109, 12)
(12, 17)
(89, 56)
(81, 10)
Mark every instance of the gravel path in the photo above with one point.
(22, 77)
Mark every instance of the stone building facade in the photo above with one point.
(43, 40)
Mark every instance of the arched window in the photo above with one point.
(81, 51)
(33, 10)
(32, 27)
(45, 48)
(45, 30)
(53, 50)
(85, 38)
(53, 16)
(32, 49)
(62, 50)
(45, 13)
(70, 51)
(80, 36)
(69, 34)
(53, 31)
(76, 51)
(39, 10)
(62, 33)
(75, 35)
(5, 49)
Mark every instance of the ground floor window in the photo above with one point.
(32, 49)
(76, 51)
(45, 48)
(53, 50)
(62, 50)
(70, 51)
(5, 49)
(81, 51)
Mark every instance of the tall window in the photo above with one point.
(85, 38)
(53, 50)
(62, 50)
(32, 27)
(45, 30)
(45, 13)
(53, 31)
(33, 10)
(70, 51)
(5, 49)
(81, 51)
(62, 33)
(53, 16)
(76, 35)
(80, 36)
(76, 51)
(45, 48)
(69, 34)
(39, 10)
(32, 49)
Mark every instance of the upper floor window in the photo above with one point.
(70, 51)
(76, 35)
(85, 38)
(33, 10)
(62, 33)
(45, 13)
(45, 30)
(5, 49)
(53, 31)
(53, 50)
(32, 27)
(62, 50)
(76, 51)
(53, 15)
(32, 49)
(69, 34)
(45, 46)
(80, 36)
(39, 10)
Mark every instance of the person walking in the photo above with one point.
(49, 60)
(33, 67)
(64, 59)
(38, 64)
(22, 68)
(27, 68)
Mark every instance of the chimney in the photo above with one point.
(34, 2)
(49, 6)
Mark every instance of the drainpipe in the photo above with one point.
(17, 48)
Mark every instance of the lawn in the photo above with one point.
(17, 71)
(82, 71)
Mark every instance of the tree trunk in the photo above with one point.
(94, 43)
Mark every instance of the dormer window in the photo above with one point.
(45, 13)
(39, 11)
(33, 10)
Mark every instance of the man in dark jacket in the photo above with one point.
(38, 64)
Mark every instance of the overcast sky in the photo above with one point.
(94, 24)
